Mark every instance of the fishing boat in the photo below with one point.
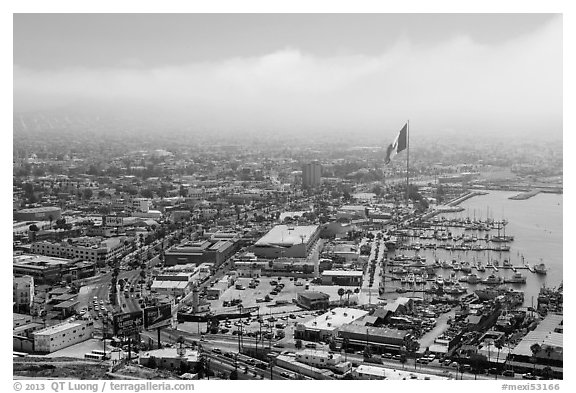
(540, 268)
(455, 289)
(516, 278)
(470, 279)
(492, 280)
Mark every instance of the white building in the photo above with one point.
(324, 359)
(95, 250)
(23, 292)
(141, 204)
(62, 335)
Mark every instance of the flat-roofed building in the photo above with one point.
(342, 277)
(324, 359)
(549, 338)
(287, 241)
(379, 338)
(313, 300)
(326, 325)
(43, 213)
(175, 284)
(44, 269)
(62, 335)
(198, 252)
(97, 250)
(170, 358)
(20, 319)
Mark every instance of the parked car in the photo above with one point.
(508, 373)
(310, 345)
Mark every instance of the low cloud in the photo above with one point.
(515, 85)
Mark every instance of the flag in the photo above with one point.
(399, 144)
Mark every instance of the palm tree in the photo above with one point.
(498, 345)
(348, 292)
(341, 293)
(535, 348)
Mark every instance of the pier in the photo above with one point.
(464, 197)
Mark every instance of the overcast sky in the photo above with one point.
(483, 72)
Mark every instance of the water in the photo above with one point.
(536, 225)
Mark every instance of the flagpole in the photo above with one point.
(407, 160)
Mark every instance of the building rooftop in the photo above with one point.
(342, 273)
(543, 335)
(165, 284)
(190, 355)
(287, 236)
(59, 328)
(41, 209)
(335, 318)
(374, 331)
(39, 261)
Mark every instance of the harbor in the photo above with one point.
(490, 248)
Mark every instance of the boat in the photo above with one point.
(480, 268)
(455, 289)
(456, 266)
(516, 278)
(492, 280)
(486, 294)
(446, 265)
(466, 268)
(540, 268)
(399, 270)
(410, 278)
(470, 279)
(418, 280)
(439, 280)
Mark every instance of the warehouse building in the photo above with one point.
(325, 326)
(287, 241)
(62, 335)
(44, 213)
(212, 251)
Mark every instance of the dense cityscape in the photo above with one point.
(217, 258)
(204, 197)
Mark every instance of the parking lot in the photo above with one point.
(251, 297)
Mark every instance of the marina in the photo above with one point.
(500, 251)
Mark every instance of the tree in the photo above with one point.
(87, 193)
(535, 348)
(403, 360)
(498, 345)
(234, 375)
(348, 292)
(341, 293)
(298, 344)
(547, 372)
(33, 228)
